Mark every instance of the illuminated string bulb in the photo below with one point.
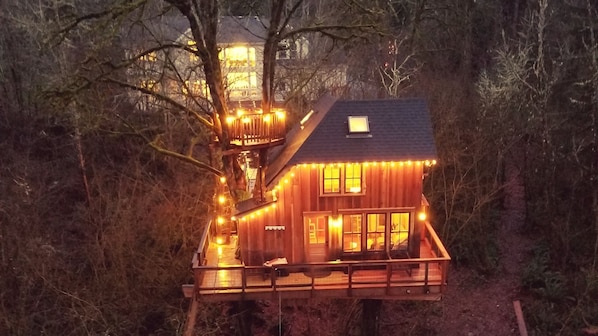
(222, 179)
(220, 220)
(221, 199)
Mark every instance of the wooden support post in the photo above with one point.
(370, 316)
(520, 320)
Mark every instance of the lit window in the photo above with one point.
(238, 56)
(193, 56)
(352, 233)
(376, 227)
(150, 57)
(353, 178)
(149, 84)
(358, 124)
(399, 230)
(331, 180)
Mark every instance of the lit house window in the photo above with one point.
(238, 56)
(376, 228)
(240, 83)
(193, 56)
(399, 231)
(331, 180)
(149, 57)
(351, 176)
(352, 233)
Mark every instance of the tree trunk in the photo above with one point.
(241, 312)
(370, 314)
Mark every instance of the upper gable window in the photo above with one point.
(358, 124)
(342, 180)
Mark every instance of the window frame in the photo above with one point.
(343, 180)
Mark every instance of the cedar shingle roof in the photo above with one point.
(400, 130)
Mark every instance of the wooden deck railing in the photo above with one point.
(413, 278)
(257, 128)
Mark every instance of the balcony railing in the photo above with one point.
(257, 128)
(406, 279)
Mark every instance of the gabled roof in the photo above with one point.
(399, 130)
(242, 29)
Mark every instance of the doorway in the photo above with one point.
(316, 229)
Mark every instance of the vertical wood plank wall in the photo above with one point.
(386, 186)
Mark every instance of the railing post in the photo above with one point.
(426, 289)
(350, 272)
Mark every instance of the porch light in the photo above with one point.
(220, 220)
(240, 112)
(230, 119)
(280, 114)
(336, 222)
(422, 216)
(219, 241)
(222, 179)
(267, 118)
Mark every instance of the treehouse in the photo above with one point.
(342, 216)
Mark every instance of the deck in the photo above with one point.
(220, 277)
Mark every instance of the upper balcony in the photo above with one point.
(256, 130)
(218, 276)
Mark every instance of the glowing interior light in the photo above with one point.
(279, 114)
(267, 118)
(240, 112)
(245, 120)
(230, 119)
(233, 218)
(422, 216)
(353, 245)
(355, 189)
(219, 241)
(219, 250)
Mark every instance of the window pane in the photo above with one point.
(352, 233)
(353, 178)
(331, 179)
(376, 231)
(399, 231)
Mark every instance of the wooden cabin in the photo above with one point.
(343, 200)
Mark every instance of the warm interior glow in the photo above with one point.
(280, 114)
(355, 189)
(358, 124)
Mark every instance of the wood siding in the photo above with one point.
(387, 186)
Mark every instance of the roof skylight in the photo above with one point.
(358, 124)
